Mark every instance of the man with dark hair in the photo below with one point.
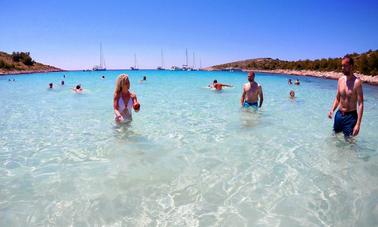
(218, 86)
(349, 98)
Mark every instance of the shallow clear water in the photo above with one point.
(191, 156)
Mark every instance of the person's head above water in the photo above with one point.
(215, 81)
(292, 94)
(251, 76)
(144, 78)
(347, 64)
(78, 86)
(50, 85)
(122, 83)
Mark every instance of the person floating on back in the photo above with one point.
(297, 82)
(252, 92)
(218, 86)
(124, 100)
(349, 98)
(78, 89)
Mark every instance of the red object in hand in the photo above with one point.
(136, 106)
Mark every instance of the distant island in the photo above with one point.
(366, 66)
(21, 62)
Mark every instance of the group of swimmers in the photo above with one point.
(349, 97)
(296, 82)
(77, 89)
(292, 93)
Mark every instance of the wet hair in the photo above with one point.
(50, 84)
(351, 61)
(78, 86)
(103, 76)
(144, 78)
(215, 81)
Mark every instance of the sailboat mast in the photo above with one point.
(101, 60)
(186, 53)
(134, 61)
(162, 59)
(194, 60)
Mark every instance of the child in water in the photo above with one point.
(124, 100)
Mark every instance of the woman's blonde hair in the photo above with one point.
(122, 80)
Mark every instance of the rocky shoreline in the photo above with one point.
(17, 72)
(373, 80)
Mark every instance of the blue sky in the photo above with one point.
(67, 34)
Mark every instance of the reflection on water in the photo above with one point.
(249, 117)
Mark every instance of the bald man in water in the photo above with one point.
(349, 98)
(252, 92)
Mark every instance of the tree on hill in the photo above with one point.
(365, 63)
(23, 57)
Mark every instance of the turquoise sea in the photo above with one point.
(190, 157)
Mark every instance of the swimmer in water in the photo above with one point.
(78, 88)
(218, 86)
(292, 94)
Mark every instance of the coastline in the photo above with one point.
(4, 73)
(372, 80)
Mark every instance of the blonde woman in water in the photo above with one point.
(124, 100)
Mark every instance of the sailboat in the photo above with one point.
(102, 66)
(186, 66)
(135, 64)
(162, 62)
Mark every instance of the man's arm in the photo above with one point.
(336, 102)
(360, 102)
(226, 85)
(261, 96)
(243, 96)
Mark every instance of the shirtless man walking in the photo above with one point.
(349, 98)
(252, 92)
